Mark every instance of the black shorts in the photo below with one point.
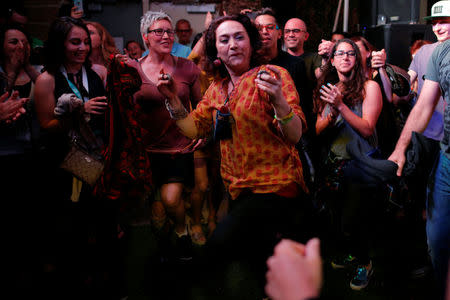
(171, 168)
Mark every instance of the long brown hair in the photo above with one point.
(353, 91)
(108, 45)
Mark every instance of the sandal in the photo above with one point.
(197, 235)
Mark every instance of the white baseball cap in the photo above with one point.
(440, 9)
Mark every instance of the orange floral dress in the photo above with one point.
(257, 157)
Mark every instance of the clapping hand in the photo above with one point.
(325, 48)
(378, 59)
(331, 94)
(11, 108)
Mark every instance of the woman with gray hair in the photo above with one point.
(170, 153)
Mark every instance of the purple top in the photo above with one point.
(162, 134)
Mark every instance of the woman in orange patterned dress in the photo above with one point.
(254, 111)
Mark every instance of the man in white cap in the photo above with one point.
(437, 83)
(418, 66)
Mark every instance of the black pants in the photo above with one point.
(255, 223)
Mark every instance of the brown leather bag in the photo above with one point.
(84, 160)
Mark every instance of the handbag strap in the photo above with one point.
(83, 130)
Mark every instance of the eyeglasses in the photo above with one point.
(183, 30)
(296, 31)
(160, 32)
(268, 27)
(340, 53)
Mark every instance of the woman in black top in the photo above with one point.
(68, 71)
(17, 180)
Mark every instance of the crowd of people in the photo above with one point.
(237, 148)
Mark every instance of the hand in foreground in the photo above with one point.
(331, 94)
(11, 108)
(378, 59)
(96, 106)
(270, 82)
(166, 85)
(294, 271)
(399, 158)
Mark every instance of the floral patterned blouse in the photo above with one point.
(257, 157)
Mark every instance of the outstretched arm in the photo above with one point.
(417, 121)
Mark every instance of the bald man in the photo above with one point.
(295, 35)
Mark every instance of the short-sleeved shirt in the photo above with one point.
(435, 128)
(439, 71)
(161, 134)
(257, 157)
(180, 50)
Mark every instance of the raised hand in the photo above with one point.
(166, 85)
(378, 59)
(270, 83)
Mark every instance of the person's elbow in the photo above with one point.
(367, 131)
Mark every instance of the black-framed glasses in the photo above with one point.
(340, 53)
(160, 32)
(296, 31)
(268, 27)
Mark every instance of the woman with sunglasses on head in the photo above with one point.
(348, 105)
(67, 94)
(254, 113)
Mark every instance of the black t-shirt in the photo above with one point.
(296, 68)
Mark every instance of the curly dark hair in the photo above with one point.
(353, 91)
(210, 43)
(54, 54)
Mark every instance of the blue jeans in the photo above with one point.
(438, 220)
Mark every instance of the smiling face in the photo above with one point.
(96, 39)
(344, 63)
(233, 46)
(267, 29)
(15, 43)
(295, 34)
(77, 46)
(441, 28)
(134, 50)
(159, 44)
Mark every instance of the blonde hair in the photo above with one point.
(151, 17)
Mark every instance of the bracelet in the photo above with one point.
(286, 119)
(176, 114)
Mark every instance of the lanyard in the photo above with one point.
(72, 85)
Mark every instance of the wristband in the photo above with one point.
(286, 119)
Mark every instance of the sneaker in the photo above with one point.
(344, 262)
(183, 248)
(362, 277)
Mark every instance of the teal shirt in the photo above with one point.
(177, 50)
